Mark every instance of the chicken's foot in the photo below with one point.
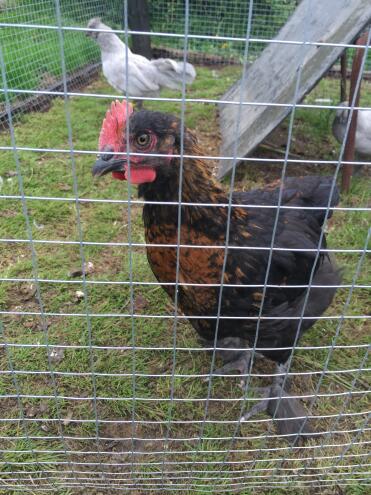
(234, 360)
(290, 416)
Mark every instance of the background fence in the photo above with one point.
(99, 389)
(32, 56)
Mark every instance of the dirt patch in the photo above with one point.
(252, 173)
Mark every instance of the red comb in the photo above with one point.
(113, 123)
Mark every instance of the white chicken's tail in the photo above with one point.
(170, 72)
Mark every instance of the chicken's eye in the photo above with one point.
(143, 139)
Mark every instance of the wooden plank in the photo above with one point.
(138, 20)
(272, 78)
(199, 58)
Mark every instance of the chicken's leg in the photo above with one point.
(289, 414)
(234, 360)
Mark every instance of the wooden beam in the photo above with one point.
(343, 78)
(138, 20)
(347, 171)
(273, 77)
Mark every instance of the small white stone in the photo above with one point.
(79, 294)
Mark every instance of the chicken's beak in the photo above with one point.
(92, 34)
(108, 163)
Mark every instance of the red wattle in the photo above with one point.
(119, 175)
(140, 175)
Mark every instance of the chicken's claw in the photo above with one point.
(240, 364)
(289, 415)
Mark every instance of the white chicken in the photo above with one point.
(136, 76)
(363, 132)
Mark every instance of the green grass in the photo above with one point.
(50, 174)
(32, 56)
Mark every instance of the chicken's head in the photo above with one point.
(95, 23)
(128, 142)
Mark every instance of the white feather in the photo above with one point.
(145, 77)
(363, 132)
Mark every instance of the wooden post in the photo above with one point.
(351, 138)
(138, 19)
(343, 79)
(272, 78)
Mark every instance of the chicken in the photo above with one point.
(145, 77)
(363, 132)
(250, 236)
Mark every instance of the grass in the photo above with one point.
(50, 174)
(33, 58)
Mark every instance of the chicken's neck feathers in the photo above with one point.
(110, 44)
(198, 186)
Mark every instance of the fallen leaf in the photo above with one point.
(139, 303)
(29, 324)
(64, 187)
(31, 412)
(67, 419)
(11, 173)
(43, 407)
(56, 355)
(27, 291)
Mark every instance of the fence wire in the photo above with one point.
(37, 52)
(103, 383)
